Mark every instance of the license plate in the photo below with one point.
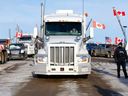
(15, 52)
(84, 69)
(61, 69)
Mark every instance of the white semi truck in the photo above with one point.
(29, 42)
(64, 51)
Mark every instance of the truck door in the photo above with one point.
(102, 49)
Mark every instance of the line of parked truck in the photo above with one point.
(25, 46)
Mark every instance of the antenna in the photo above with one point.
(9, 33)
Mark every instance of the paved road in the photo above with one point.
(14, 77)
(17, 81)
(93, 86)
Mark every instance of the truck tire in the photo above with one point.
(94, 54)
(34, 75)
(5, 57)
(108, 55)
(86, 76)
(1, 57)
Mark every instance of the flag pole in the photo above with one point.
(123, 31)
(10, 34)
(88, 24)
(105, 41)
(17, 30)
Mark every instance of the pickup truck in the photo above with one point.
(90, 47)
(106, 50)
(17, 51)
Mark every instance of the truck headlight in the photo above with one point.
(22, 51)
(83, 59)
(8, 51)
(31, 44)
(41, 59)
(26, 46)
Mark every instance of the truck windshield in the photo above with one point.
(2, 41)
(15, 46)
(63, 28)
(25, 38)
(102, 45)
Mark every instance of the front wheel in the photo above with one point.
(5, 57)
(1, 57)
(108, 55)
(86, 76)
(94, 54)
(34, 75)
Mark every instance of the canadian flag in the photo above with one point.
(119, 13)
(18, 34)
(98, 25)
(118, 40)
(1, 47)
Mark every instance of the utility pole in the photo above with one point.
(125, 41)
(10, 34)
(122, 28)
(17, 30)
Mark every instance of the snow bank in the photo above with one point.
(108, 72)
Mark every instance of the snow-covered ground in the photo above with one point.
(9, 80)
(108, 72)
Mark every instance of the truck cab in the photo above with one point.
(64, 51)
(29, 43)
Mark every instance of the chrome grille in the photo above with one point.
(62, 55)
(15, 51)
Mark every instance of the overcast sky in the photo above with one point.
(26, 13)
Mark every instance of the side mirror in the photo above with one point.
(91, 32)
(91, 35)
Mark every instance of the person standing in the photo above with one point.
(120, 56)
(38, 43)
